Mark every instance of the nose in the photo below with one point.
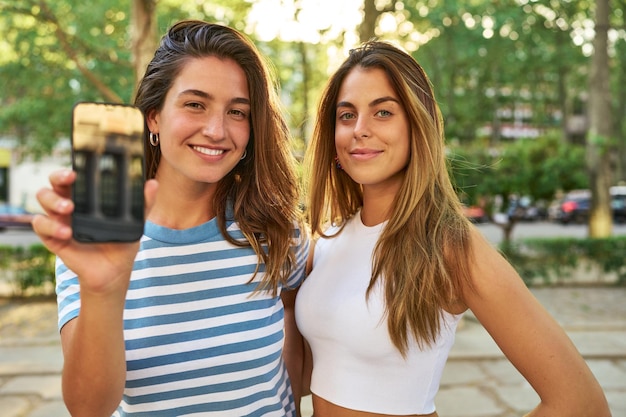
(361, 128)
(214, 127)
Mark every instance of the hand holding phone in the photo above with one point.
(108, 158)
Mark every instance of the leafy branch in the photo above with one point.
(48, 16)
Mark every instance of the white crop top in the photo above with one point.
(355, 364)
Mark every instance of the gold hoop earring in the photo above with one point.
(154, 139)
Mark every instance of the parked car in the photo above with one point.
(476, 214)
(575, 206)
(523, 209)
(618, 203)
(14, 217)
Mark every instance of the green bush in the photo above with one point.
(31, 269)
(554, 260)
(27, 268)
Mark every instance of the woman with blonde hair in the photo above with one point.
(396, 263)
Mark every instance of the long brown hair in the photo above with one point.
(262, 189)
(423, 254)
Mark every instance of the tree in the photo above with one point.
(59, 53)
(599, 140)
(537, 168)
(371, 14)
(98, 52)
(489, 61)
(143, 35)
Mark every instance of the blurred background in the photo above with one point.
(533, 93)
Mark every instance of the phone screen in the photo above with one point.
(108, 158)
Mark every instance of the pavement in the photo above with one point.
(478, 381)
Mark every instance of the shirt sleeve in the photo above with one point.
(68, 293)
(301, 250)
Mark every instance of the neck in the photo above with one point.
(376, 208)
(378, 200)
(180, 207)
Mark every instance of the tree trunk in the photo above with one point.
(143, 35)
(599, 142)
(306, 76)
(367, 29)
(620, 170)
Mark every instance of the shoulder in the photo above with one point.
(488, 264)
(489, 271)
(496, 294)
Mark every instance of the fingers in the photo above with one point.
(58, 207)
(62, 181)
(47, 228)
(53, 203)
(57, 201)
(56, 223)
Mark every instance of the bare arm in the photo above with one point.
(307, 370)
(94, 370)
(531, 339)
(307, 366)
(293, 348)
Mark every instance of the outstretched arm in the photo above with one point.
(94, 370)
(531, 339)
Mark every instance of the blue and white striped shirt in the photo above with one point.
(199, 341)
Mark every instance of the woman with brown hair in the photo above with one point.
(190, 320)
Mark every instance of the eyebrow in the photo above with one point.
(371, 104)
(207, 96)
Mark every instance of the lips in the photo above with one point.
(363, 151)
(208, 151)
(364, 154)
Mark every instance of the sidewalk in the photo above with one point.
(30, 360)
(477, 382)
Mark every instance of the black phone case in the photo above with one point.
(110, 168)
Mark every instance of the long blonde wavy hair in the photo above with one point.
(423, 254)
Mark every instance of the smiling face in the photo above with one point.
(372, 131)
(204, 124)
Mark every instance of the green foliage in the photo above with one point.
(64, 51)
(29, 268)
(57, 50)
(551, 260)
(228, 12)
(483, 58)
(472, 170)
(538, 168)
(554, 260)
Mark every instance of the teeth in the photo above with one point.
(207, 151)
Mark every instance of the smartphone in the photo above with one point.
(108, 158)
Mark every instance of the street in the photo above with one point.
(542, 229)
(18, 237)
(491, 231)
(478, 381)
